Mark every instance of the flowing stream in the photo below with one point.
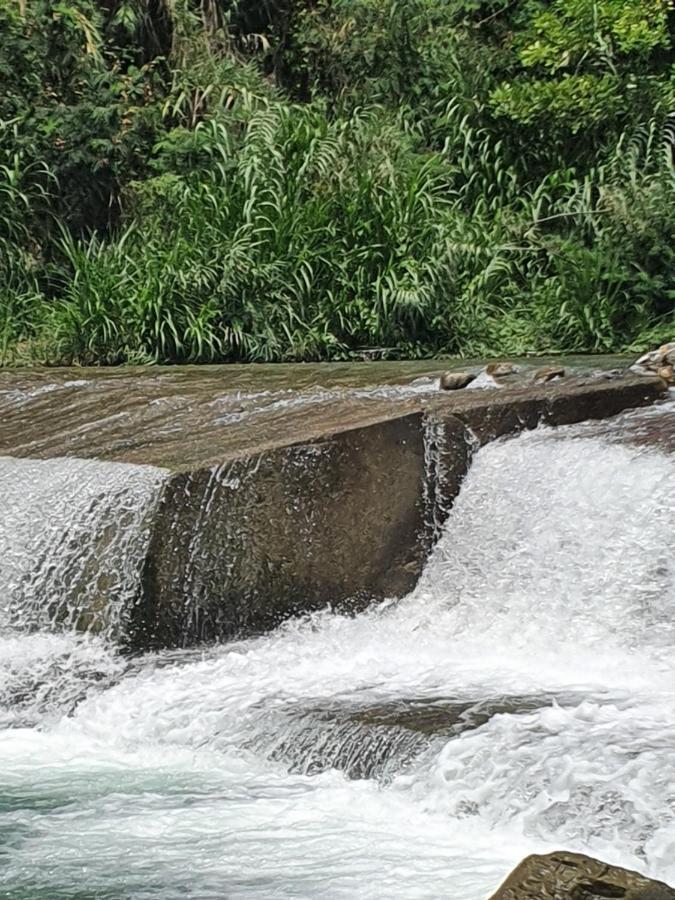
(522, 698)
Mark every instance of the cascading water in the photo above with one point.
(520, 699)
(73, 535)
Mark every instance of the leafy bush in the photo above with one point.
(308, 180)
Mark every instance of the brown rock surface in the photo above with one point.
(289, 530)
(455, 381)
(572, 876)
(548, 373)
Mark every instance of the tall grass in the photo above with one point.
(387, 207)
(293, 237)
(21, 300)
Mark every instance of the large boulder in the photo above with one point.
(572, 876)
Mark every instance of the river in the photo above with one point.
(520, 699)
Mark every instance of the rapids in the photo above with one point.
(520, 699)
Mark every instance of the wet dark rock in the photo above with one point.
(455, 381)
(379, 740)
(652, 427)
(568, 404)
(314, 741)
(548, 373)
(448, 716)
(572, 876)
(341, 520)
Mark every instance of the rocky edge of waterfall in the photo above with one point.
(660, 362)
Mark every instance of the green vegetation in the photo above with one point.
(312, 179)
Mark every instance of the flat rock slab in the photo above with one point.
(183, 419)
(280, 502)
(572, 876)
(173, 421)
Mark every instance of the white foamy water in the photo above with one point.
(73, 536)
(551, 594)
(72, 539)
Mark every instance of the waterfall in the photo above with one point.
(559, 537)
(520, 699)
(73, 536)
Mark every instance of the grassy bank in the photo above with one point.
(311, 180)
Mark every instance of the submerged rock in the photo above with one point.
(455, 381)
(572, 876)
(378, 739)
(500, 369)
(548, 373)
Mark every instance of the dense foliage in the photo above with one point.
(310, 179)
